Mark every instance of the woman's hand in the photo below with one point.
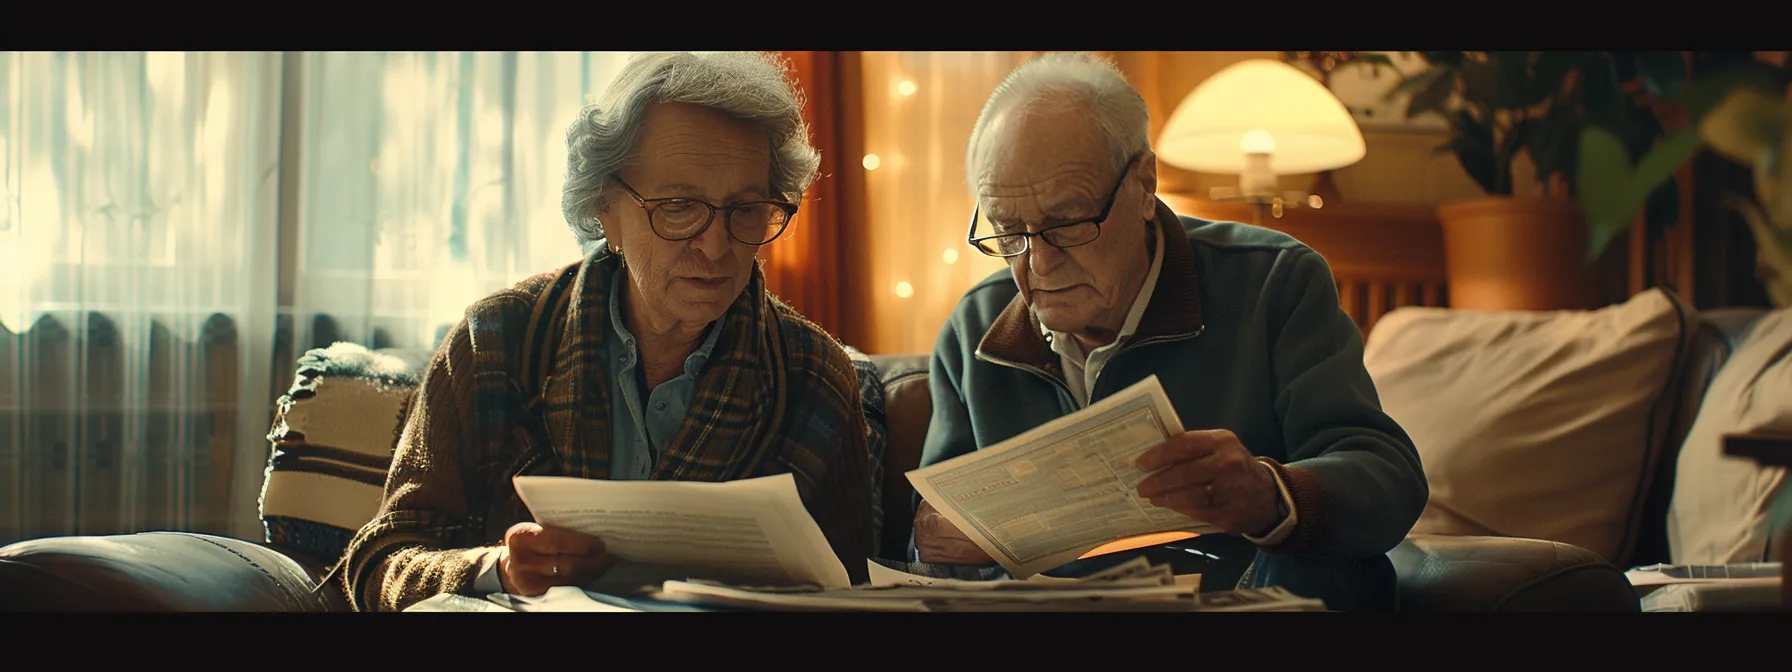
(535, 558)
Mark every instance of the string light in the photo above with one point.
(904, 290)
(906, 87)
(872, 162)
(950, 256)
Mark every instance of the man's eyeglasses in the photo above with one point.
(1069, 234)
(750, 222)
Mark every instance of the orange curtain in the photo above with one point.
(803, 266)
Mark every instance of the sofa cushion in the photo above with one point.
(333, 435)
(1534, 424)
(1718, 514)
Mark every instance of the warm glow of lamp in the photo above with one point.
(1258, 119)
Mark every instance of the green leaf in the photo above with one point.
(1515, 77)
(1473, 142)
(1432, 97)
(1369, 58)
(1663, 208)
(1450, 58)
(1705, 92)
(1552, 141)
(1548, 75)
(1659, 164)
(1481, 84)
(1663, 72)
(1603, 180)
(1480, 166)
(1604, 97)
(1415, 83)
(1611, 192)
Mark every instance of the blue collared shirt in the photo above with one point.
(640, 428)
(638, 432)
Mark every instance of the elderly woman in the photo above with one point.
(666, 358)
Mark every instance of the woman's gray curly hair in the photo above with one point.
(753, 87)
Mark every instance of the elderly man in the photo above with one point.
(1288, 449)
(660, 355)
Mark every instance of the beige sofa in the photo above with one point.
(336, 429)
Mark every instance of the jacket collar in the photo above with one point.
(1175, 309)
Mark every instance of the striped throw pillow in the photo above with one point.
(333, 436)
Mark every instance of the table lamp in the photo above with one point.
(1258, 119)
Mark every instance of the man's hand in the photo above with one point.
(536, 558)
(1209, 476)
(939, 541)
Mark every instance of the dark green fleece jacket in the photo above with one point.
(1245, 333)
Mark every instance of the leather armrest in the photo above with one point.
(1440, 573)
(159, 571)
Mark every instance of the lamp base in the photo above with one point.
(1275, 204)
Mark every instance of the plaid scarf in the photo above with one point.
(778, 395)
(734, 418)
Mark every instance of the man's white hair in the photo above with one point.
(1068, 77)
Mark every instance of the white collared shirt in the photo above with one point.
(1080, 375)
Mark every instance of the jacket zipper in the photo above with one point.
(1064, 389)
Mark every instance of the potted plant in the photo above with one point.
(1508, 251)
(1755, 129)
(1739, 111)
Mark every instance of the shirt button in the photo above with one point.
(660, 405)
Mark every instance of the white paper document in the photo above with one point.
(1136, 585)
(750, 532)
(1043, 498)
(1740, 574)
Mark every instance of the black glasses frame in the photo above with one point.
(650, 204)
(1113, 196)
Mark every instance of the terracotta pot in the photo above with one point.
(1504, 253)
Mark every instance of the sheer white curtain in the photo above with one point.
(429, 180)
(173, 225)
(137, 263)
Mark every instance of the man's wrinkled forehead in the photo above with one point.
(1038, 146)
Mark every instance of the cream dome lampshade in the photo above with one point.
(1258, 119)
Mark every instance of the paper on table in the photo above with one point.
(1043, 498)
(562, 598)
(884, 577)
(1740, 574)
(455, 603)
(746, 532)
(702, 592)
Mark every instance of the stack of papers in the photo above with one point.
(1134, 586)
